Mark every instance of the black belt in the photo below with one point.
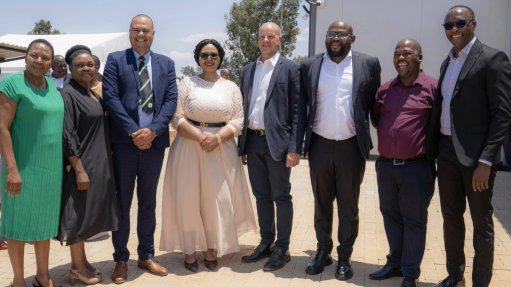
(396, 161)
(447, 137)
(256, 132)
(207, 125)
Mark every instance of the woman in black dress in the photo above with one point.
(89, 196)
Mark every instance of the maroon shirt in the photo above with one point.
(401, 115)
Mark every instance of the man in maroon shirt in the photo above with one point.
(406, 179)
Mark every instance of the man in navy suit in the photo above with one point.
(340, 86)
(470, 118)
(140, 95)
(271, 142)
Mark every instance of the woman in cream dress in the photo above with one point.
(206, 203)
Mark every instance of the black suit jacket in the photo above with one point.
(480, 106)
(284, 109)
(366, 81)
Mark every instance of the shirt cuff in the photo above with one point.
(485, 162)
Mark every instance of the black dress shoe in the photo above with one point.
(344, 270)
(386, 272)
(194, 266)
(317, 265)
(409, 282)
(277, 260)
(449, 282)
(210, 264)
(260, 252)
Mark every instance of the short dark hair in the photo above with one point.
(141, 15)
(97, 62)
(201, 44)
(472, 14)
(44, 42)
(75, 51)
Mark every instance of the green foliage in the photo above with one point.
(243, 23)
(43, 28)
(189, 71)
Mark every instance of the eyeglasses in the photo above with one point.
(459, 24)
(205, 56)
(339, 34)
(143, 31)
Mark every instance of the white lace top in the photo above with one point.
(210, 102)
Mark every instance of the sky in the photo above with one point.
(179, 25)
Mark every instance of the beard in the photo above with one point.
(338, 54)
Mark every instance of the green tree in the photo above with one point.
(243, 23)
(43, 27)
(189, 71)
(299, 59)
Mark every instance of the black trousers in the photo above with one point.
(405, 191)
(336, 170)
(455, 187)
(271, 188)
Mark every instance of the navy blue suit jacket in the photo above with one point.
(366, 81)
(121, 85)
(284, 109)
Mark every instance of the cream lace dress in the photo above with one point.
(206, 201)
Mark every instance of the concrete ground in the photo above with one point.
(369, 252)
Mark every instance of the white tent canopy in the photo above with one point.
(100, 44)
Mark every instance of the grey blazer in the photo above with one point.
(284, 109)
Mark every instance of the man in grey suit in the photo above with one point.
(271, 142)
(340, 86)
(470, 118)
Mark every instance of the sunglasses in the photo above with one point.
(205, 56)
(459, 24)
(339, 34)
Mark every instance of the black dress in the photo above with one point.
(85, 135)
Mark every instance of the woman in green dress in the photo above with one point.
(31, 120)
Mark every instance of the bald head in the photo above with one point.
(270, 26)
(341, 25)
(269, 40)
(142, 17)
(411, 44)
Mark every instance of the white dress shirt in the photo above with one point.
(334, 114)
(449, 83)
(59, 82)
(262, 76)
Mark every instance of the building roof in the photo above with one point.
(10, 52)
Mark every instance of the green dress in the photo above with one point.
(36, 133)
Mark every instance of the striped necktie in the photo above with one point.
(146, 101)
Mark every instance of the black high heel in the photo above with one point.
(210, 264)
(194, 266)
(36, 281)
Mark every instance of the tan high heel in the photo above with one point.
(74, 275)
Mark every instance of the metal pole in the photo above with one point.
(312, 29)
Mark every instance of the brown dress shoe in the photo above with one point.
(120, 274)
(153, 267)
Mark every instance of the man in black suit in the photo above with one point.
(470, 118)
(271, 142)
(340, 86)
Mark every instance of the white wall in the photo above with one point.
(380, 24)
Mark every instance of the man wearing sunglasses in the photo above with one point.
(271, 141)
(470, 118)
(340, 86)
